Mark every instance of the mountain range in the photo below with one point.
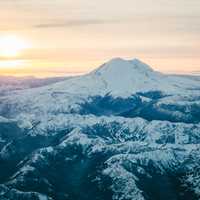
(121, 132)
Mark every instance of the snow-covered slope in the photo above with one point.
(124, 77)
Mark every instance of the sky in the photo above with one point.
(69, 37)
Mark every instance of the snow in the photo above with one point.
(124, 183)
(5, 120)
(42, 197)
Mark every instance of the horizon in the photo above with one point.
(63, 38)
(65, 74)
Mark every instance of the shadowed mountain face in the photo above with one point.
(134, 106)
(120, 132)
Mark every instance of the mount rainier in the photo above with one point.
(121, 132)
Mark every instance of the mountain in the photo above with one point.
(119, 87)
(11, 84)
(122, 131)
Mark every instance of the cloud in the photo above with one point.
(70, 23)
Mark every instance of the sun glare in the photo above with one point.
(12, 46)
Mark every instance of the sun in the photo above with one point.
(12, 46)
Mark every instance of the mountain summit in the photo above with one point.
(126, 76)
(118, 77)
(119, 65)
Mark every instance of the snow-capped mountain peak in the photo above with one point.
(126, 76)
(122, 66)
(122, 77)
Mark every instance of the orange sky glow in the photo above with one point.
(65, 37)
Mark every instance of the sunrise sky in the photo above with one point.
(67, 37)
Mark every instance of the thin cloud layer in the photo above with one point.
(71, 23)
